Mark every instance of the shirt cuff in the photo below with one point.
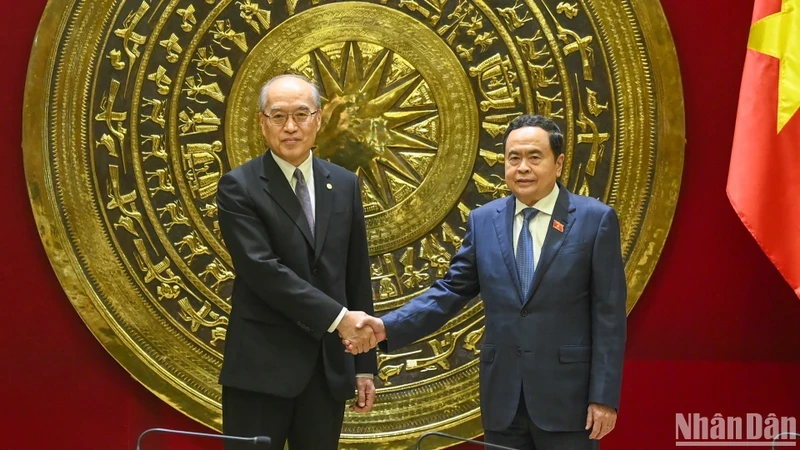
(365, 375)
(338, 319)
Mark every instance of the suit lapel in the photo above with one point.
(504, 227)
(276, 185)
(564, 212)
(324, 203)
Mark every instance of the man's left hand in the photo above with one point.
(601, 419)
(366, 395)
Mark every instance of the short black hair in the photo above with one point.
(528, 120)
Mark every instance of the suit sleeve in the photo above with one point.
(445, 298)
(358, 285)
(246, 238)
(609, 294)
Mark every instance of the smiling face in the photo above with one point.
(291, 141)
(531, 166)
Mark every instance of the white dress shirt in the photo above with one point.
(538, 224)
(307, 168)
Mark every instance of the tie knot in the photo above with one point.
(528, 213)
(298, 174)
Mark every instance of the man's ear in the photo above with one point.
(559, 164)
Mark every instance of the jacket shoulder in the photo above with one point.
(589, 204)
(253, 166)
(488, 210)
(336, 170)
(235, 181)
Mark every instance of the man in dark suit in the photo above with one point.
(294, 227)
(549, 269)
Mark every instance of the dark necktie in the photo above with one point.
(525, 266)
(301, 190)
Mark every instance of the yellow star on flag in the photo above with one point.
(778, 35)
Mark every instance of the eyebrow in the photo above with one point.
(301, 108)
(529, 152)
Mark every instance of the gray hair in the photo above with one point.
(262, 97)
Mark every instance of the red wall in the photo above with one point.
(716, 330)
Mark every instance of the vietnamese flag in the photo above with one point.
(764, 175)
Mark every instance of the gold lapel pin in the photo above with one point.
(330, 186)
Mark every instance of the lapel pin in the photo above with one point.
(558, 226)
(329, 186)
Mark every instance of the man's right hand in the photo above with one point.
(366, 322)
(361, 339)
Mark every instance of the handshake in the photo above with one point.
(360, 332)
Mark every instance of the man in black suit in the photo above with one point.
(294, 227)
(548, 266)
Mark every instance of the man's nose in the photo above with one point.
(290, 124)
(523, 167)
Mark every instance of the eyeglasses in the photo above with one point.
(279, 118)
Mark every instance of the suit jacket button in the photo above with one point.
(519, 352)
(315, 271)
(524, 312)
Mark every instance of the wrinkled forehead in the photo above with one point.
(288, 108)
(290, 94)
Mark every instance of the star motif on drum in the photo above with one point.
(380, 119)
